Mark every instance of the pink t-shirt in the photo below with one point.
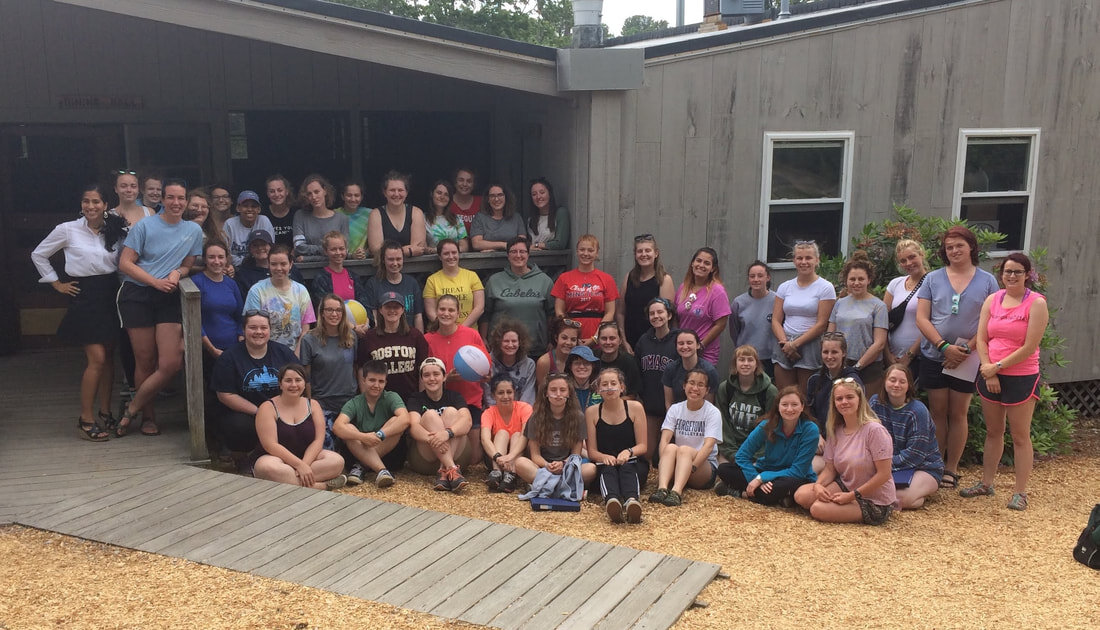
(341, 284)
(854, 458)
(585, 295)
(699, 314)
(1008, 331)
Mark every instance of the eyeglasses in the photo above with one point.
(252, 312)
(643, 237)
(1013, 272)
(955, 304)
(495, 195)
(221, 197)
(328, 311)
(847, 379)
(518, 250)
(835, 334)
(572, 323)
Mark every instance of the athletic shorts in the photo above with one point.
(145, 307)
(932, 377)
(1015, 390)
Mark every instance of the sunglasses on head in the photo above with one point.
(835, 334)
(809, 242)
(134, 173)
(643, 237)
(252, 312)
(572, 323)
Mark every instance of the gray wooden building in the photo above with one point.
(742, 139)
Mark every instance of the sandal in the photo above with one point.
(977, 490)
(950, 479)
(91, 431)
(126, 422)
(1018, 502)
(149, 427)
(109, 421)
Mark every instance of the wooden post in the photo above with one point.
(192, 365)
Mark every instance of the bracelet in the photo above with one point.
(631, 451)
(450, 434)
(497, 456)
(943, 345)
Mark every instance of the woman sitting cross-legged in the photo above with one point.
(439, 422)
(856, 486)
(689, 442)
(788, 439)
(502, 426)
(616, 443)
(917, 463)
(555, 431)
(291, 429)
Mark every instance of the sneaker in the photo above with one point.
(1018, 502)
(442, 482)
(787, 502)
(721, 489)
(384, 479)
(458, 482)
(614, 509)
(633, 511)
(355, 475)
(494, 480)
(659, 496)
(508, 484)
(673, 499)
(339, 481)
(977, 490)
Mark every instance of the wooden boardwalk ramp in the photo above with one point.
(139, 493)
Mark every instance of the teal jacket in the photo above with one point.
(785, 457)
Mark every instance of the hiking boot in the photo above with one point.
(614, 509)
(355, 475)
(384, 479)
(659, 496)
(633, 511)
(509, 482)
(458, 482)
(494, 480)
(443, 481)
(339, 481)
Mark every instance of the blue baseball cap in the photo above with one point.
(583, 352)
(247, 195)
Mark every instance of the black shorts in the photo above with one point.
(145, 307)
(932, 377)
(1015, 390)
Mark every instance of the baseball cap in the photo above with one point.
(391, 296)
(261, 235)
(247, 195)
(434, 361)
(583, 352)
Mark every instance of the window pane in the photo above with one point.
(807, 170)
(996, 164)
(820, 222)
(1007, 215)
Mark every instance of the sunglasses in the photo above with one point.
(955, 304)
(134, 173)
(809, 242)
(572, 323)
(252, 312)
(644, 237)
(836, 334)
(847, 379)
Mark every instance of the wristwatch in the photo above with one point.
(965, 346)
(381, 435)
(450, 434)
(497, 456)
(999, 366)
(858, 365)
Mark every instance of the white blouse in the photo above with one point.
(85, 252)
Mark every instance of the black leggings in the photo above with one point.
(625, 481)
(237, 431)
(782, 487)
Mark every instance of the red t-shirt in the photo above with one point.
(444, 347)
(467, 215)
(585, 296)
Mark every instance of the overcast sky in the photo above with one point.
(615, 11)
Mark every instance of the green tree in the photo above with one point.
(636, 24)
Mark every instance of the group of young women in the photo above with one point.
(818, 407)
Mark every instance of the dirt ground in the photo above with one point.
(955, 563)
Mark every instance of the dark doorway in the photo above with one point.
(293, 144)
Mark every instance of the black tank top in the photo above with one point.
(390, 233)
(634, 301)
(615, 438)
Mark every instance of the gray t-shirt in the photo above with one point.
(496, 229)
(331, 371)
(857, 319)
(236, 236)
(751, 323)
(309, 232)
(555, 449)
(963, 322)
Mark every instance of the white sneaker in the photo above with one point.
(384, 479)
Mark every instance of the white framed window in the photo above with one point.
(805, 193)
(995, 175)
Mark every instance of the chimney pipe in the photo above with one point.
(587, 27)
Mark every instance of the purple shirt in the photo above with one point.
(699, 314)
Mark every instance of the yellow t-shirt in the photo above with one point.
(461, 286)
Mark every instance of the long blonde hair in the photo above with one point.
(863, 411)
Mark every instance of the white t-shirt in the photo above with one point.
(692, 428)
(800, 303)
(907, 333)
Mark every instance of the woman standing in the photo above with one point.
(689, 442)
(465, 204)
(751, 312)
(655, 351)
(586, 294)
(903, 343)
(335, 277)
(687, 348)
(285, 300)
(646, 281)
(564, 335)
(317, 219)
(916, 464)
(702, 304)
(444, 343)
(497, 224)
(776, 457)
(91, 246)
(463, 284)
(1009, 331)
(328, 354)
(398, 220)
(555, 431)
(799, 316)
(396, 343)
(520, 291)
(221, 206)
(856, 485)
(291, 429)
(508, 345)
(617, 445)
(502, 427)
(547, 222)
(440, 222)
(159, 252)
(221, 304)
(280, 213)
(863, 319)
(358, 218)
(949, 305)
(126, 188)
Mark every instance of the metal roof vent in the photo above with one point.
(742, 7)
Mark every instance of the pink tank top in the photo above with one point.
(1008, 330)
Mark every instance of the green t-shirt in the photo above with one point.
(366, 420)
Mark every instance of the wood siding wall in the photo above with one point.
(691, 140)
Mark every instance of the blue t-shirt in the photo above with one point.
(162, 246)
(221, 310)
(953, 317)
